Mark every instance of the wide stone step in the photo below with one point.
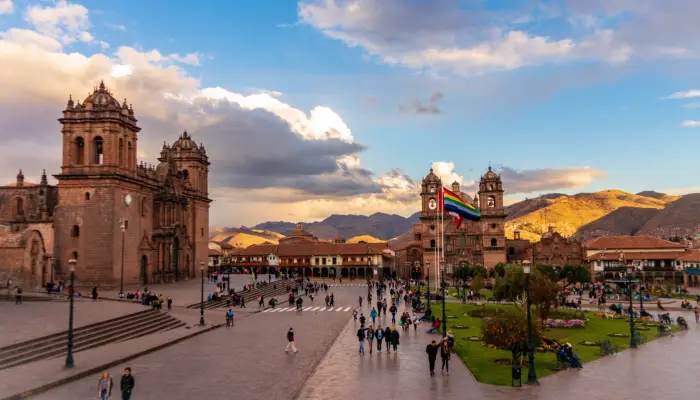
(88, 337)
(252, 295)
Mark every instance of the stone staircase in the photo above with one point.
(267, 291)
(32, 297)
(114, 330)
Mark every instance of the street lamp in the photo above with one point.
(69, 356)
(641, 291)
(633, 339)
(201, 304)
(444, 317)
(531, 373)
(122, 226)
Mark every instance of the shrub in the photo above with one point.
(508, 331)
(565, 323)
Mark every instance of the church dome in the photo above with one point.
(490, 174)
(431, 177)
(101, 98)
(186, 144)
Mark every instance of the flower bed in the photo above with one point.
(589, 343)
(565, 323)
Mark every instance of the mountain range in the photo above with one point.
(582, 216)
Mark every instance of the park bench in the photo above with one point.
(639, 338)
(664, 330)
(562, 363)
(606, 348)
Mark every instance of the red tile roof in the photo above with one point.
(691, 256)
(638, 255)
(630, 242)
(214, 252)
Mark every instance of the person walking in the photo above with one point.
(362, 320)
(360, 301)
(94, 293)
(373, 315)
(361, 337)
(290, 341)
(697, 315)
(126, 385)
(379, 334)
(370, 337)
(432, 350)
(395, 339)
(242, 302)
(379, 307)
(170, 303)
(393, 310)
(18, 295)
(104, 386)
(230, 316)
(387, 339)
(445, 355)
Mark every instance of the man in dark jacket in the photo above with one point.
(127, 384)
(432, 350)
(290, 341)
(361, 337)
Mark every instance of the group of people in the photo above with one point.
(389, 335)
(126, 385)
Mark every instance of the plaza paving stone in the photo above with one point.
(247, 361)
(35, 319)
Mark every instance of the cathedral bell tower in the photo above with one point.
(493, 217)
(430, 188)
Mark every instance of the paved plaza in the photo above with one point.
(248, 361)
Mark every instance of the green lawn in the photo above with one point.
(481, 360)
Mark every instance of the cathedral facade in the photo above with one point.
(112, 213)
(474, 242)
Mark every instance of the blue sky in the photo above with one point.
(547, 89)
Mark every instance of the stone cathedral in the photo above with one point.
(110, 210)
(475, 242)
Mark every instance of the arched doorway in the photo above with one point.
(263, 270)
(344, 272)
(175, 258)
(324, 272)
(309, 272)
(317, 272)
(361, 272)
(353, 272)
(144, 270)
(272, 270)
(332, 272)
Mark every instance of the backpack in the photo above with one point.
(380, 334)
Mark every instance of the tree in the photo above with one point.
(548, 271)
(511, 286)
(500, 270)
(477, 284)
(575, 274)
(508, 331)
(543, 292)
(479, 270)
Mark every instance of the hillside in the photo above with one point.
(679, 218)
(365, 238)
(379, 225)
(569, 213)
(527, 206)
(623, 221)
(243, 237)
(659, 196)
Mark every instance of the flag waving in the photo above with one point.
(451, 203)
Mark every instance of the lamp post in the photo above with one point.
(122, 225)
(641, 292)
(531, 373)
(201, 304)
(69, 355)
(633, 339)
(428, 287)
(444, 317)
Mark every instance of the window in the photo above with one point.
(74, 255)
(491, 202)
(75, 231)
(120, 153)
(202, 231)
(324, 261)
(494, 242)
(79, 151)
(87, 195)
(493, 226)
(334, 261)
(19, 206)
(490, 187)
(185, 174)
(463, 240)
(432, 243)
(144, 207)
(432, 227)
(130, 154)
(98, 151)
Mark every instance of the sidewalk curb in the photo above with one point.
(97, 369)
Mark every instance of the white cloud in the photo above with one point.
(6, 7)
(64, 21)
(116, 27)
(189, 59)
(688, 94)
(445, 171)
(691, 124)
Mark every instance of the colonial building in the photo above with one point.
(26, 230)
(302, 253)
(474, 242)
(557, 251)
(108, 211)
(653, 258)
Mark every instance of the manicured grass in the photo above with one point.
(481, 360)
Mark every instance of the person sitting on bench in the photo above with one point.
(435, 327)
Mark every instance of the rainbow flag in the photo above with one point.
(451, 203)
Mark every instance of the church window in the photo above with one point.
(490, 187)
(432, 243)
(511, 251)
(463, 240)
(491, 202)
(87, 195)
(75, 231)
(79, 153)
(121, 152)
(202, 231)
(98, 151)
(494, 242)
(19, 206)
(144, 208)
(493, 226)
(185, 174)
(74, 255)
(129, 153)
(432, 227)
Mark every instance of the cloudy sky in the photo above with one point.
(341, 106)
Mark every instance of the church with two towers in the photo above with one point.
(111, 212)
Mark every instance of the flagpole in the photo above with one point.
(442, 239)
